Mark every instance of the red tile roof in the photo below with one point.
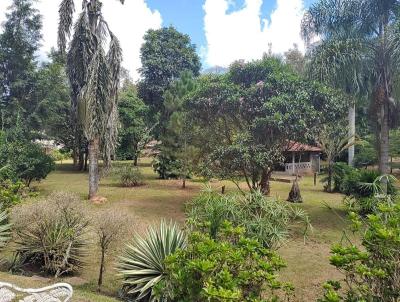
(299, 147)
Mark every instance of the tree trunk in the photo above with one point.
(86, 160)
(75, 157)
(383, 133)
(295, 195)
(265, 181)
(81, 160)
(135, 160)
(100, 281)
(93, 167)
(330, 172)
(352, 133)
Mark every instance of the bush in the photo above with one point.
(229, 268)
(24, 161)
(166, 167)
(11, 193)
(371, 271)
(142, 265)
(131, 177)
(51, 233)
(5, 228)
(265, 218)
(365, 156)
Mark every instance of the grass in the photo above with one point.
(308, 260)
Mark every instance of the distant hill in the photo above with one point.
(215, 70)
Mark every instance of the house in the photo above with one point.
(302, 159)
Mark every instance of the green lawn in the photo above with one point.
(308, 260)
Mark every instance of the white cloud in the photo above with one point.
(244, 34)
(129, 22)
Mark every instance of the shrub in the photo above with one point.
(131, 177)
(5, 228)
(266, 219)
(229, 268)
(142, 265)
(371, 271)
(166, 167)
(11, 193)
(366, 155)
(51, 233)
(110, 227)
(24, 161)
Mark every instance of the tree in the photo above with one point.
(19, 42)
(94, 79)
(176, 142)
(134, 132)
(296, 60)
(247, 118)
(361, 35)
(165, 54)
(333, 139)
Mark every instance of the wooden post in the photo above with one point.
(293, 163)
(223, 189)
(315, 179)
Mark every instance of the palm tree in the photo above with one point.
(362, 37)
(93, 65)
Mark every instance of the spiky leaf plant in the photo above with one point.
(4, 228)
(142, 265)
(93, 65)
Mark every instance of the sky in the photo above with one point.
(222, 30)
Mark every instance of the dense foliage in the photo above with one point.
(231, 267)
(131, 177)
(246, 119)
(24, 160)
(165, 54)
(266, 219)
(371, 270)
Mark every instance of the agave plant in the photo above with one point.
(4, 228)
(142, 265)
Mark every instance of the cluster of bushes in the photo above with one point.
(25, 161)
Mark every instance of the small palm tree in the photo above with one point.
(93, 66)
(142, 265)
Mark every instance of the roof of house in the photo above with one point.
(299, 147)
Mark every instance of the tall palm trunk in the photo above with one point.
(384, 139)
(352, 133)
(93, 167)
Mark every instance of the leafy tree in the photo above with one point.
(296, 60)
(18, 44)
(362, 36)
(176, 141)
(246, 119)
(94, 78)
(165, 54)
(25, 161)
(134, 132)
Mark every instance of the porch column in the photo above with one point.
(293, 163)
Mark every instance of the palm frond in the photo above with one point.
(66, 12)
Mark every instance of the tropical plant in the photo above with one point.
(365, 154)
(5, 228)
(333, 140)
(51, 234)
(371, 270)
(266, 219)
(142, 265)
(93, 66)
(11, 193)
(131, 177)
(359, 44)
(231, 267)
